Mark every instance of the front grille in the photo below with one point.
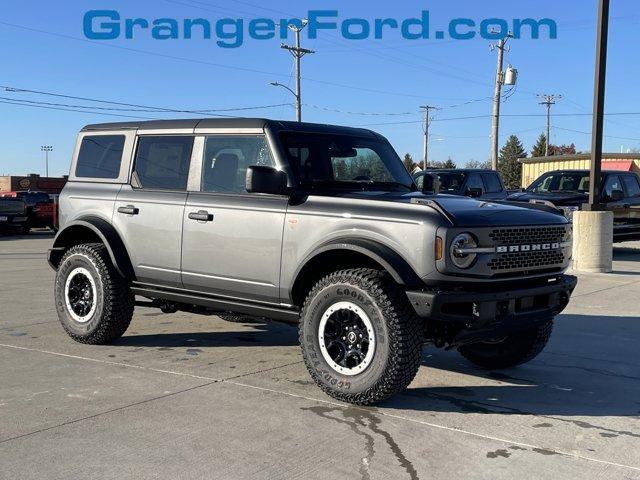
(532, 259)
(527, 235)
(526, 260)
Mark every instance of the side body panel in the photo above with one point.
(238, 252)
(409, 230)
(82, 199)
(153, 235)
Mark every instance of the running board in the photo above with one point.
(291, 315)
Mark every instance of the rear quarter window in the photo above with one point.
(162, 162)
(633, 185)
(492, 182)
(100, 156)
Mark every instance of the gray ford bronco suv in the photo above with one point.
(313, 224)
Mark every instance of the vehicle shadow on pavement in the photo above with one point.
(266, 334)
(595, 374)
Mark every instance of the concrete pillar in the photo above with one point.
(593, 242)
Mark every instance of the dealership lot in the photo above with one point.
(187, 396)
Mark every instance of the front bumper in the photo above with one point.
(480, 313)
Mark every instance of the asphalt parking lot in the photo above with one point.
(187, 396)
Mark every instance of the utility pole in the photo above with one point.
(427, 123)
(548, 100)
(497, 95)
(46, 149)
(298, 52)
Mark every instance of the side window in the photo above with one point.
(492, 182)
(419, 181)
(633, 185)
(227, 158)
(162, 162)
(100, 156)
(612, 183)
(475, 181)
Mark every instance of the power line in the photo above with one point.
(78, 111)
(212, 64)
(589, 133)
(514, 115)
(137, 107)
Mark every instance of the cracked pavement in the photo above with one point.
(187, 396)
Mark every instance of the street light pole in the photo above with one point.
(598, 106)
(46, 149)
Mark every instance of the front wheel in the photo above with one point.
(94, 303)
(361, 340)
(513, 350)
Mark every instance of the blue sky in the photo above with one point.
(391, 75)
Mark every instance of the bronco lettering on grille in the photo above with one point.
(527, 248)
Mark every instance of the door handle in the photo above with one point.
(201, 216)
(129, 210)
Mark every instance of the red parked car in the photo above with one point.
(42, 208)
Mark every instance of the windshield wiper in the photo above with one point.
(389, 184)
(361, 184)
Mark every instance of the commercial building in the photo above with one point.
(32, 182)
(533, 167)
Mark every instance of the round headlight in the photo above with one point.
(459, 256)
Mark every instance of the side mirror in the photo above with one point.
(262, 179)
(430, 184)
(474, 192)
(617, 195)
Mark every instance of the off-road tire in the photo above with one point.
(398, 336)
(114, 299)
(515, 349)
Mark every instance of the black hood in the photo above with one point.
(557, 198)
(470, 212)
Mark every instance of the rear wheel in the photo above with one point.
(513, 350)
(94, 303)
(361, 340)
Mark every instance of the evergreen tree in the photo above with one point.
(449, 163)
(508, 165)
(408, 162)
(540, 148)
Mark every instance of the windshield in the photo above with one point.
(567, 182)
(343, 161)
(451, 182)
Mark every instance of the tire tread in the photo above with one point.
(118, 300)
(405, 330)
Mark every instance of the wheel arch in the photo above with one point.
(348, 253)
(92, 229)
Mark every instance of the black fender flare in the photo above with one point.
(103, 230)
(389, 259)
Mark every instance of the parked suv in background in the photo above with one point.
(475, 183)
(314, 224)
(568, 190)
